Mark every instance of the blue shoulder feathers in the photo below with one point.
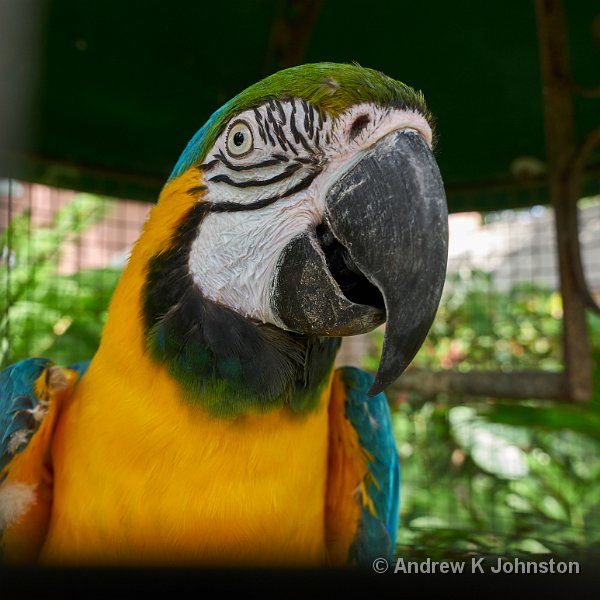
(371, 418)
(22, 406)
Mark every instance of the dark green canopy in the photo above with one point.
(103, 96)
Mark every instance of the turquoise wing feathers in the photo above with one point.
(32, 393)
(370, 461)
(25, 389)
(371, 418)
(21, 408)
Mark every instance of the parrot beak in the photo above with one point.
(379, 255)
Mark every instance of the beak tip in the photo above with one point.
(376, 388)
(389, 371)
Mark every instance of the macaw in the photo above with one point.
(211, 426)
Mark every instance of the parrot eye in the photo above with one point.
(239, 139)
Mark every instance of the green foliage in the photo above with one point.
(497, 477)
(43, 312)
(479, 327)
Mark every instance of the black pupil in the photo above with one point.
(238, 138)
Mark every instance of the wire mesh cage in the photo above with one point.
(62, 254)
(479, 475)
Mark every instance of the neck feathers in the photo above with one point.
(220, 360)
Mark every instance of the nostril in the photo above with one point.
(359, 125)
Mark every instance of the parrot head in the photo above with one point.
(314, 209)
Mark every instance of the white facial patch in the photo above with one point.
(15, 501)
(235, 255)
(276, 191)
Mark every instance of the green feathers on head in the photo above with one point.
(331, 87)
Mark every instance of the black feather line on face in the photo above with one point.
(196, 190)
(270, 162)
(285, 174)
(293, 127)
(203, 168)
(261, 129)
(236, 207)
(268, 132)
(311, 118)
(281, 111)
(298, 137)
(322, 118)
(223, 361)
(280, 136)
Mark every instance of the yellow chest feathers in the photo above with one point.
(141, 477)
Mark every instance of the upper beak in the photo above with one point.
(380, 253)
